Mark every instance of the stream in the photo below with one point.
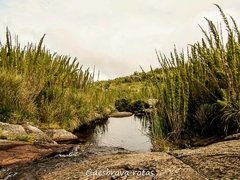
(113, 136)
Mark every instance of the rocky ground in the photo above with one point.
(217, 161)
(44, 158)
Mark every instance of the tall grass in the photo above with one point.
(199, 90)
(41, 86)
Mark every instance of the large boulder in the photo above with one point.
(39, 136)
(61, 135)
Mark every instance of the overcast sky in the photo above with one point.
(116, 36)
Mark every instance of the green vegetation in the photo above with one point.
(26, 138)
(23, 137)
(52, 90)
(41, 87)
(199, 91)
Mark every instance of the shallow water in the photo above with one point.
(130, 133)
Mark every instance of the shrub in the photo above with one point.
(123, 105)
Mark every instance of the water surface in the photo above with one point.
(131, 133)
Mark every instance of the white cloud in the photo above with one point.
(115, 36)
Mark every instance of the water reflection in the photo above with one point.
(131, 133)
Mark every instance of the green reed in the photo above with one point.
(51, 83)
(208, 74)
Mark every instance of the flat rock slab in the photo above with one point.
(15, 153)
(127, 166)
(120, 114)
(217, 161)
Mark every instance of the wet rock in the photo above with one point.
(120, 114)
(61, 135)
(15, 153)
(39, 136)
(11, 130)
(216, 161)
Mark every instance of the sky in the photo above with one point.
(115, 36)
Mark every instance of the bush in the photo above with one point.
(123, 105)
